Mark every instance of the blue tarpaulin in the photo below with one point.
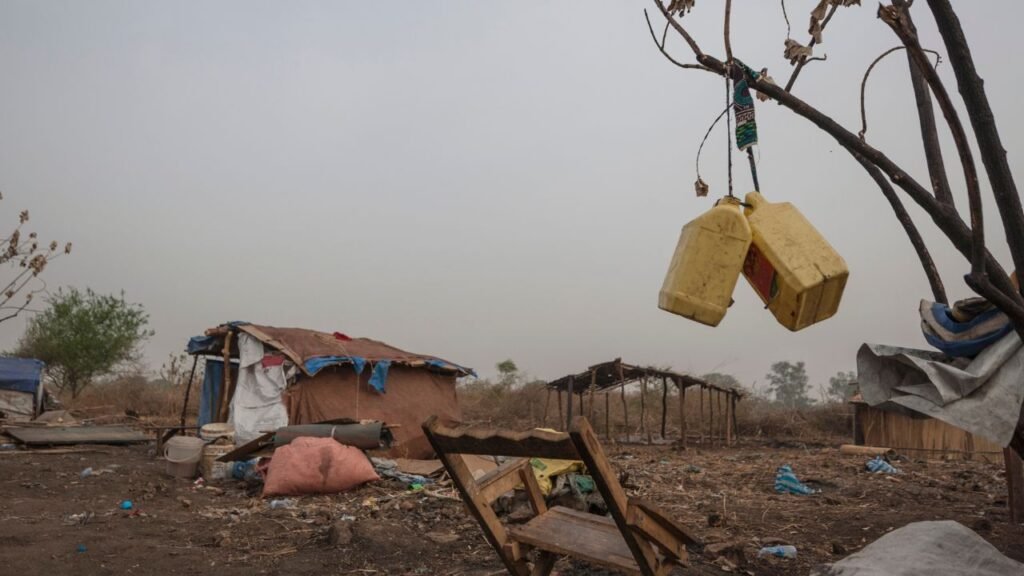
(21, 374)
(380, 375)
(318, 363)
(209, 399)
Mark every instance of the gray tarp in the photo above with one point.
(984, 397)
(926, 549)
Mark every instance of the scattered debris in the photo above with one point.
(786, 482)
(777, 551)
(878, 465)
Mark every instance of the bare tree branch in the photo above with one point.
(993, 155)
(725, 33)
(864, 84)
(661, 48)
(944, 216)
(800, 65)
(926, 118)
(894, 19)
(934, 280)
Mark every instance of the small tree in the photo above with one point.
(25, 260)
(508, 373)
(839, 386)
(788, 381)
(83, 335)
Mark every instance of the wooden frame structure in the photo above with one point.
(638, 539)
(606, 377)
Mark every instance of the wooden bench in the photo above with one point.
(637, 538)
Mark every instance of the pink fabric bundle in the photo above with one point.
(316, 466)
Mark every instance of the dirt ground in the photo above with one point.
(52, 521)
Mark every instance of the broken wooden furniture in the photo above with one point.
(637, 539)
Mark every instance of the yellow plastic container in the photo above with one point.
(791, 266)
(707, 264)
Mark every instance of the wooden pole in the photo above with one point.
(722, 422)
(728, 419)
(711, 416)
(700, 394)
(607, 416)
(664, 404)
(625, 408)
(682, 412)
(188, 389)
(568, 413)
(547, 403)
(643, 410)
(560, 415)
(593, 389)
(226, 391)
(1014, 485)
(735, 426)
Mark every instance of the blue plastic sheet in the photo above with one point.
(20, 374)
(380, 375)
(318, 363)
(209, 398)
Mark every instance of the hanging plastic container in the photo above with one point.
(795, 271)
(707, 264)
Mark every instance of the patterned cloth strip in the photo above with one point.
(743, 106)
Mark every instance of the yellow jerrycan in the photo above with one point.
(707, 264)
(795, 271)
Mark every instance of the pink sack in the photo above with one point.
(316, 466)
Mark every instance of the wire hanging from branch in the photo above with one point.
(728, 134)
(701, 186)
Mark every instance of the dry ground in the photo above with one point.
(181, 529)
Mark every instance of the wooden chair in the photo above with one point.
(637, 539)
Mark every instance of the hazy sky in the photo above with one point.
(474, 180)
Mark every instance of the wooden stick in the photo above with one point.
(700, 394)
(644, 432)
(568, 413)
(625, 408)
(711, 417)
(682, 412)
(593, 389)
(547, 402)
(225, 392)
(664, 405)
(607, 416)
(561, 418)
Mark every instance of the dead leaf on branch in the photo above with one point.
(764, 77)
(680, 7)
(795, 51)
(701, 187)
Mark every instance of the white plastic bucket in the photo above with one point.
(182, 454)
(215, 431)
(210, 468)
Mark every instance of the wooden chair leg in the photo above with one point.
(545, 563)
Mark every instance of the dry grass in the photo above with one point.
(153, 399)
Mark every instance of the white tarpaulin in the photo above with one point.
(984, 397)
(257, 406)
(944, 548)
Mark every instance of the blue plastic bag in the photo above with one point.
(786, 482)
(878, 465)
